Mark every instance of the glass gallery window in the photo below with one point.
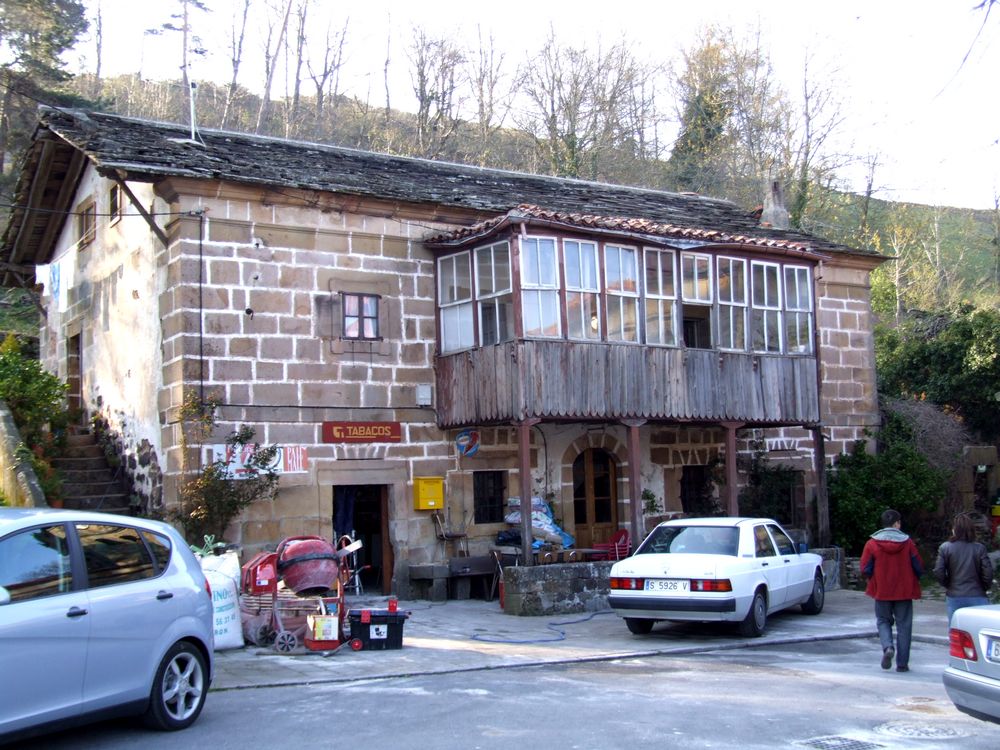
(620, 293)
(583, 290)
(540, 287)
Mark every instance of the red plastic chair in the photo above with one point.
(615, 548)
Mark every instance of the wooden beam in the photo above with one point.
(160, 234)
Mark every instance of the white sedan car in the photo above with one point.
(715, 569)
(972, 679)
(100, 616)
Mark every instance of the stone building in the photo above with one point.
(406, 328)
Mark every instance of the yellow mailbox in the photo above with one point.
(428, 493)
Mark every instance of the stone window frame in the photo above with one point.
(331, 320)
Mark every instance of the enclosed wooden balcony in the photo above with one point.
(577, 381)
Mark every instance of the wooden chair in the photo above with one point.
(616, 548)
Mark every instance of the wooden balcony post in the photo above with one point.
(732, 476)
(524, 467)
(634, 479)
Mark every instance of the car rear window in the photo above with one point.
(114, 554)
(160, 547)
(36, 563)
(697, 540)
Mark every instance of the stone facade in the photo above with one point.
(236, 291)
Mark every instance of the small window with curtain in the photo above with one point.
(488, 491)
(360, 313)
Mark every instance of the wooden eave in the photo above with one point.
(43, 201)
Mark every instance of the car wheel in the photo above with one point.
(638, 626)
(179, 689)
(755, 621)
(814, 604)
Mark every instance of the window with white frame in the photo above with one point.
(731, 282)
(621, 281)
(661, 297)
(798, 310)
(540, 288)
(696, 297)
(583, 290)
(455, 301)
(360, 316)
(494, 295)
(765, 315)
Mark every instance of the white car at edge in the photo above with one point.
(715, 569)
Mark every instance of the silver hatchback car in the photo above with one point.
(100, 616)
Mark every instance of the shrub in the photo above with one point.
(211, 496)
(863, 485)
(769, 489)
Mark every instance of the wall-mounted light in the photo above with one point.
(424, 396)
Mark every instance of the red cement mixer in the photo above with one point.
(312, 569)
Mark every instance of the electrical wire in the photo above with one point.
(560, 633)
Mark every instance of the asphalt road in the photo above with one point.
(828, 695)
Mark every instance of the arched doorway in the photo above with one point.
(595, 497)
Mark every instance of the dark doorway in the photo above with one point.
(361, 511)
(696, 488)
(595, 497)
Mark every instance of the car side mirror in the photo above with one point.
(4, 596)
(803, 547)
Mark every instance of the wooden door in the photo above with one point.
(595, 497)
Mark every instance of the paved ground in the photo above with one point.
(473, 635)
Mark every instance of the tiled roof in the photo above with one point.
(618, 225)
(136, 149)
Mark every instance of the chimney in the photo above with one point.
(775, 214)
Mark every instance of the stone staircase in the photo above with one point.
(89, 481)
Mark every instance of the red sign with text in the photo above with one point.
(362, 432)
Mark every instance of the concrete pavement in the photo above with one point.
(471, 635)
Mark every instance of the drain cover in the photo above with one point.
(920, 731)
(839, 743)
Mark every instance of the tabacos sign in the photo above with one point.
(362, 432)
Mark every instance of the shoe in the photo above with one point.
(887, 655)
(902, 669)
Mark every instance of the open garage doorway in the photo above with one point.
(361, 511)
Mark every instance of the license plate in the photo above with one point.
(668, 585)
(993, 649)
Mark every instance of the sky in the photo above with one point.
(918, 78)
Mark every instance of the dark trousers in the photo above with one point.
(899, 613)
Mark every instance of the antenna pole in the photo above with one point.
(192, 92)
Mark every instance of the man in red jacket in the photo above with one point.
(892, 565)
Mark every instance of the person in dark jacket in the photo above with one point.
(963, 567)
(891, 563)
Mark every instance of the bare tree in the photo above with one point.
(237, 36)
(277, 27)
(436, 74)
(191, 44)
(325, 74)
(486, 78)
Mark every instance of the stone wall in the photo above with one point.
(18, 482)
(568, 588)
